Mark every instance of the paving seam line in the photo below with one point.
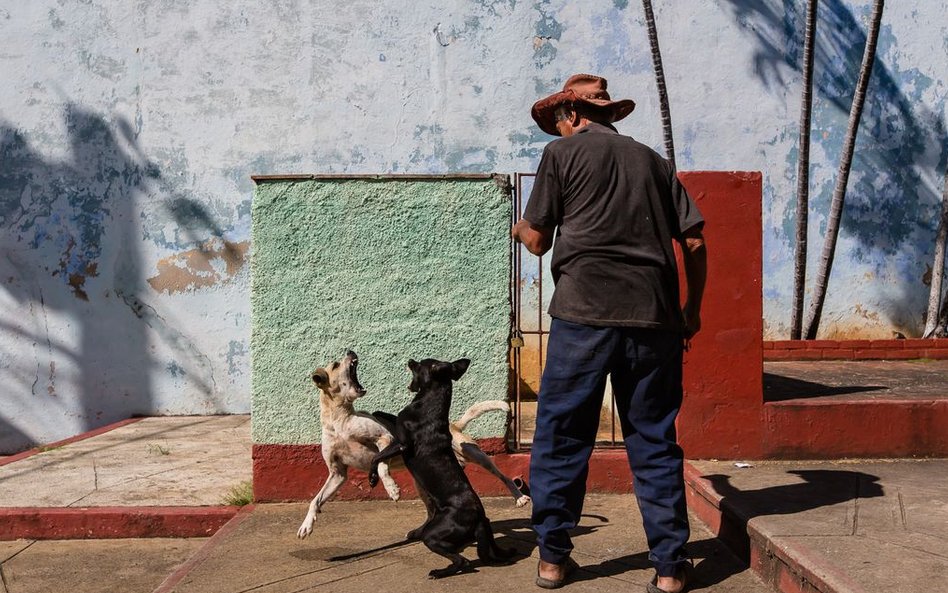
(204, 551)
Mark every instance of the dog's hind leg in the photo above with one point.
(337, 476)
(474, 453)
(415, 534)
(458, 563)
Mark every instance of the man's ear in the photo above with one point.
(321, 378)
(458, 367)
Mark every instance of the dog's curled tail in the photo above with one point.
(482, 408)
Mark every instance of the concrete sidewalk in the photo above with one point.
(358, 547)
(801, 527)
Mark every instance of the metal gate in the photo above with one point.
(531, 288)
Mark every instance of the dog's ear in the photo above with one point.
(321, 377)
(458, 367)
(413, 367)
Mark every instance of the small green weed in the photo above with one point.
(156, 449)
(240, 495)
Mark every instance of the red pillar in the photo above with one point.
(723, 408)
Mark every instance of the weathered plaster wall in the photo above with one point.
(129, 129)
(392, 269)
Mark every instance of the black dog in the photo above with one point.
(455, 514)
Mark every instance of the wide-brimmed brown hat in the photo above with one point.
(580, 89)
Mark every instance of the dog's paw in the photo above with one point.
(373, 479)
(523, 501)
(440, 573)
(305, 529)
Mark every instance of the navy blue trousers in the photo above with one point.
(645, 370)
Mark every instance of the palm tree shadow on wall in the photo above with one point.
(895, 191)
(71, 238)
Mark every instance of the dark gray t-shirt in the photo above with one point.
(617, 205)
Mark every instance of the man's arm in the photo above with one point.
(536, 239)
(695, 257)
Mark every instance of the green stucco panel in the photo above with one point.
(391, 268)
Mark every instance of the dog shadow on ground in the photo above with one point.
(517, 534)
(513, 534)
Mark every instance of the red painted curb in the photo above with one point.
(202, 554)
(79, 437)
(111, 522)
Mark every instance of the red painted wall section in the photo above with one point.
(296, 472)
(878, 428)
(722, 411)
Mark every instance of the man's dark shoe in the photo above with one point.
(683, 575)
(564, 570)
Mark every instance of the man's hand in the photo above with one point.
(695, 257)
(692, 317)
(536, 239)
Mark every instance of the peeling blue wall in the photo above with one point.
(128, 132)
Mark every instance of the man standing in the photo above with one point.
(615, 207)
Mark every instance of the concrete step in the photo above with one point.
(830, 527)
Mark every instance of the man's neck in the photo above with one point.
(583, 122)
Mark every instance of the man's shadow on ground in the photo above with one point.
(719, 558)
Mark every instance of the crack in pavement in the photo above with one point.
(131, 480)
(342, 578)
(325, 568)
(4, 588)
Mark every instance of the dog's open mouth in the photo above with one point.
(354, 374)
